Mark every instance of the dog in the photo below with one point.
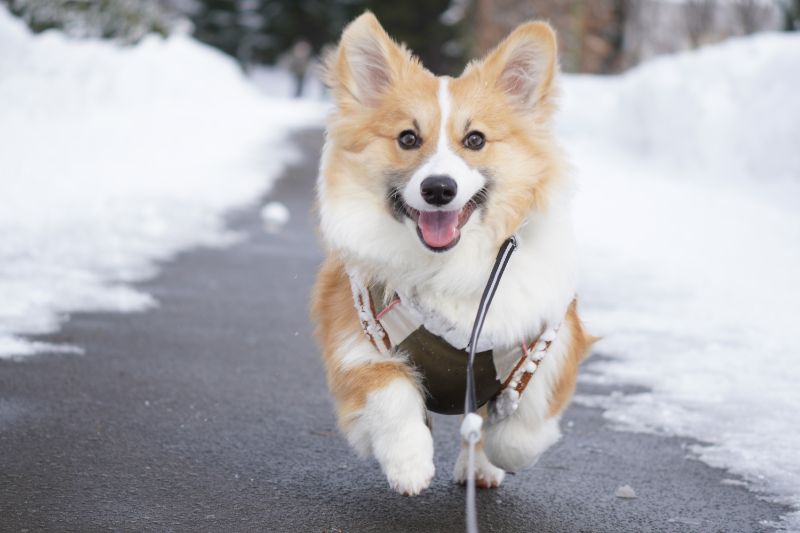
(422, 178)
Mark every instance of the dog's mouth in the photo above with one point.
(438, 230)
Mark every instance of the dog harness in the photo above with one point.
(394, 327)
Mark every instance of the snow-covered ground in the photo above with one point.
(688, 217)
(277, 81)
(113, 160)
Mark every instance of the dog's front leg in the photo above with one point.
(382, 413)
(379, 403)
(518, 441)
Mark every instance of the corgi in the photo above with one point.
(422, 178)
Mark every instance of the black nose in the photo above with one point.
(438, 190)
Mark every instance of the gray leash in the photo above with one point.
(472, 423)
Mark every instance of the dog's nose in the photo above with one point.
(438, 190)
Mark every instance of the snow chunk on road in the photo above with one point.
(625, 492)
(114, 159)
(274, 215)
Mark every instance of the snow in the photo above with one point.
(688, 220)
(625, 492)
(113, 160)
(277, 81)
(274, 215)
(505, 404)
(507, 401)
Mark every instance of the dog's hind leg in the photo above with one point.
(379, 403)
(486, 474)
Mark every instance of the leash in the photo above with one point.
(472, 423)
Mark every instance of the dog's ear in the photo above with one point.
(524, 65)
(365, 63)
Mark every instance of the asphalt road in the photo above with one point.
(210, 413)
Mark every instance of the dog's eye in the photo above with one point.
(408, 140)
(474, 140)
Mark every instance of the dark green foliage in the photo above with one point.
(126, 21)
(261, 31)
(258, 31)
(418, 24)
(791, 10)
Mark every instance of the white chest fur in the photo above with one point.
(536, 289)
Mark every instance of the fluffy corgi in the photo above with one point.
(422, 179)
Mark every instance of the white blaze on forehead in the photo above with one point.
(444, 162)
(444, 113)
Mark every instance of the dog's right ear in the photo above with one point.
(524, 65)
(365, 63)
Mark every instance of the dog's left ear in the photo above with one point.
(524, 65)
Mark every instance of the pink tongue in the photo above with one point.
(438, 228)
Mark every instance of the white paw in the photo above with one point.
(487, 475)
(407, 459)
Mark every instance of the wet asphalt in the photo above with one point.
(210, 413)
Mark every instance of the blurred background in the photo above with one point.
(595, 36)
(130, 130)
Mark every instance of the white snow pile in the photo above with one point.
(114, 159)
(689, 222)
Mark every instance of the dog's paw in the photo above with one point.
(487, 476)
(408, 461)
(412, 478)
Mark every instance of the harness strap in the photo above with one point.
(388, 327)
(507, 400)
(365, 308)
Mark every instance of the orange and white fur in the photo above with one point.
(489, 132)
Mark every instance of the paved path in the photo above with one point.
(210, 413)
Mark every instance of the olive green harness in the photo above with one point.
(442, 366)
(392, 328)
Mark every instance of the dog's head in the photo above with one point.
(417, 164)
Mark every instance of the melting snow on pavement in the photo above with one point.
(113, 160)
(688, 217)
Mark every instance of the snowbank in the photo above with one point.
(115, 159)
(689, 221)
(724, 112)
